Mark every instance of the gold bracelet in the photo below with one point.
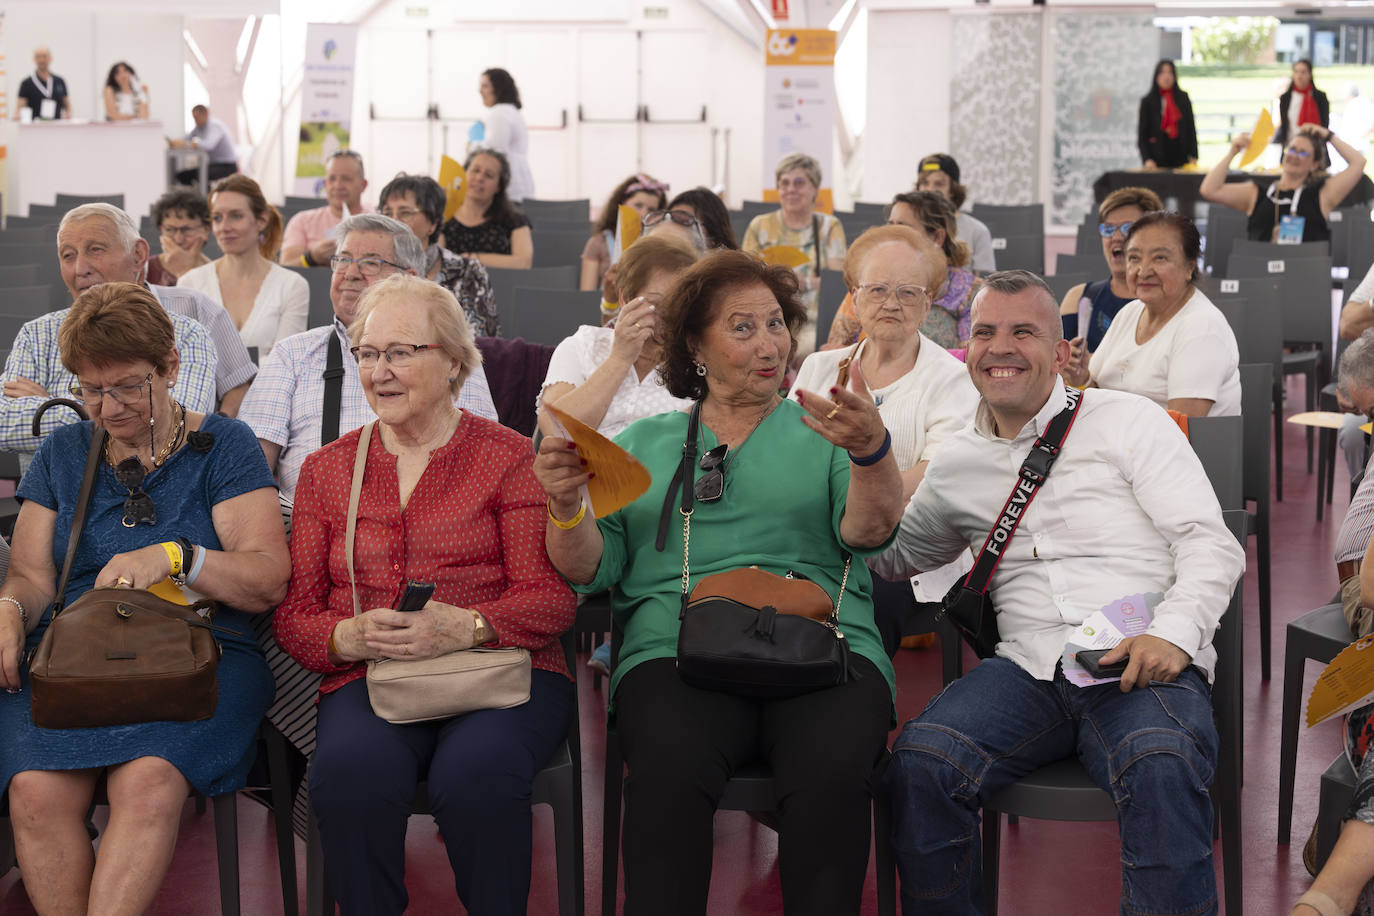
(333, 649)
(482, 632)
(174, 557)
(572, 522)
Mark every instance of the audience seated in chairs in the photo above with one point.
(265, 300)
(729, 328)
(286, 405)
(1188, 360)
(487, 225)
(939, 173)
(211, 488)
(418, 201)
(311, 236)
(640, 193)
(182, 218)
(474, 516)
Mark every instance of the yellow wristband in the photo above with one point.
(173, 551)
(305, 261)
(572, 522)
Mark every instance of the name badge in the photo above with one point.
(47, 109)
(1290, 230)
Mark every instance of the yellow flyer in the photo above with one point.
(1259, 138)
(453, 179)
(785, 256)
(1345, 683)
(620, 478)
(628, 227)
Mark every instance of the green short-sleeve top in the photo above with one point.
(784, 497)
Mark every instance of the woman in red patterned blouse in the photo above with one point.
(450, 498)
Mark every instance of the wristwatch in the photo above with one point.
(482, 632)
(188, 552)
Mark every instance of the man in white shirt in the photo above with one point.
(286, 405)
(1127, 510)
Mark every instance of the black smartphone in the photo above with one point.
(1091, 660)
(415, 595)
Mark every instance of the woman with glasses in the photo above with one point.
(418, 201)
(1088, 309)
(710, 213)
(1170, 344)
(448, 498)
(948, 319)
(794, 487)
(1166, 134)
(182, 218)
(266, 301)
(1295, 207)
(182, 503)
(797, 224)
(640, 193)
(487, 226)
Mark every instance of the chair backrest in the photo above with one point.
(1305, 285)
(1088, 241)
(1011, 219)
(753, 208)
(854, 224)
(1084, 265)
(1061, 283)
(10, 325)
(875, 213)
(515, 371)
(30, 235)
(1026, 252)
(46, 214)
(504, 280)
(549, 316)
(739, 222)
(1256, 402)
(1229, 643)
(1248, 248)
(321, 310)
(1340, 222)
(1224, 226)
(831, 297)
(1361, 247)
(549, 224)
(21, 275)
(67, 202)
(579, 210)
(558, 248)
(1253, 307)
(25, 302)
(1220, 445)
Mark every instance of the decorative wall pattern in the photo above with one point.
(1102, 66)
(995, 105)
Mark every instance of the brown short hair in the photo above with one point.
(1148, 201)
(693, 301)
(448, 326)
(271, 234)
(872, 238)
(648, 254)
(114, 322)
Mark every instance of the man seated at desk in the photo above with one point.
(43, 92)
(211, 137)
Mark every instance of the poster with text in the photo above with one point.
(326, 101)
(799, 104)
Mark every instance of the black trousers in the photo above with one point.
(681, 743)
(213, 172)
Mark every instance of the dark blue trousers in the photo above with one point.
(479, 768)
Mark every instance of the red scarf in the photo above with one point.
(1308, 114)
(1169, 121)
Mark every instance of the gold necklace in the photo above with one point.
(171, 446)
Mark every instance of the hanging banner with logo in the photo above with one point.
(799, 104)
(326, 101)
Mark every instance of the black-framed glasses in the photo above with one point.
(396, 354)
(681, 217)
(124, 394)
(369, 266)
(1107, 230)
(138, 506)
(711, 485)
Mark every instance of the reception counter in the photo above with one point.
(48, 158)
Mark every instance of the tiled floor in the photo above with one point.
(1047, 868)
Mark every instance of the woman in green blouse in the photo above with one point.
(804, 486)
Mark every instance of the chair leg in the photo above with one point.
(318, 900)
(884, 864)
(992, 852)
(567, 850)
(227, 850)
(1310, 383)
(1231, 847)
(1321, 473)
(610, 833)
(1277, 404)
(1293, 665)
(1265, 616)
(279, 775)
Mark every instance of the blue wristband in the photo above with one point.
(877, 456)
(195, 566)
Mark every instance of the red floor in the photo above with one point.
(1047, 867)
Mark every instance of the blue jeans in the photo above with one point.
(1154, 750)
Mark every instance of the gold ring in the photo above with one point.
(834, 410)
(124, 582)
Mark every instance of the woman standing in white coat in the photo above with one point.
(505, 129)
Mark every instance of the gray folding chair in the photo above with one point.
(549, 316)
(558, 248)
(832, 295)
(1242, 248)
(1256, 383)
(25, 302)
(504, 280)
(1224, 226)
(67, 202)
(1026, 252)
(1340, 221)
(1011, 219)
(1220, 445)
(1361, 247)
(321, 309)
(1061, 283)
(1091, 266)
(854, 224)
(876, 214)
(21, 275)
(1088, 240)
(575, 210)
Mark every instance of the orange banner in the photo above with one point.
(800, 48)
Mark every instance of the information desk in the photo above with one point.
(87, 157)
(1186, 186)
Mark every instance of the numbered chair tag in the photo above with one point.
(1276, 267)
(999, 244)
(1230, 286)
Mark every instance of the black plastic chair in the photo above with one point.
(561, 210)
(558, 247)
(549, 316)
(1256, 382)
(831, 297)
(1026, 252)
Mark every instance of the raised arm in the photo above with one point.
(1335, 188)
(589, 400)
(1238, 195)
(571, 535)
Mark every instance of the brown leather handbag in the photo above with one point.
(120, 656)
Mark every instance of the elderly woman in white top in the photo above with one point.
(1170, 344)
(923, 393)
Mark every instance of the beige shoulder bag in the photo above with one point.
(403, 691)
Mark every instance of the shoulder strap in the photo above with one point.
(682, 477)
(83, 503)
(354, 495)
(333, 389)
(1034, 471)
(816, 237)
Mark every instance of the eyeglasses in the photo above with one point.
(369, 267)
(396, 354)
(908, 296)
(711, 486)
(138, 506)
(1300, 153)
(681, 217)
(1107, 230)
(180, 231)
(401, 215)
(124, 394)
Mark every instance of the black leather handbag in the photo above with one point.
(966, 604)
(734, 637)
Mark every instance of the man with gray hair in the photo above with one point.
(307, 392)
(1356, 378)
(1127, 510)
(99, 243)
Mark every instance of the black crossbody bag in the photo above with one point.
(967, 604)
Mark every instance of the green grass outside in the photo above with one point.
(1227, 100)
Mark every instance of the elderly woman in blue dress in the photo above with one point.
(203, 491)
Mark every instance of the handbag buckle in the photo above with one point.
(123, 610)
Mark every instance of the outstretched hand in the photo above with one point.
(848, 418)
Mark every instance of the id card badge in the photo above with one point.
(47, 109)
(1290, 229)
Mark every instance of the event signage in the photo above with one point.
(799, 104)
(326, 101)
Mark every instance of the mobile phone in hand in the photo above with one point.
(1091, 660)
(415, 596)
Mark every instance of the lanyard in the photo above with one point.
(1292, 205)
(46, 90)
